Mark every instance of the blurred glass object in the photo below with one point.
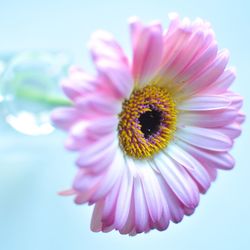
(29, 89)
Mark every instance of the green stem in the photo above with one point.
(36, 96)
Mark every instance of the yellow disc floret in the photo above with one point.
(147, 122)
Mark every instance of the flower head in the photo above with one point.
(151, 132)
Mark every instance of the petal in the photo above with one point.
(147, 45)
(78, 84)
(208, 119)
(86, 183)
(198, 64)
(209, 139)
(151, 191)
(240, 118)
(193, 166)
(174, 23)
(99, 163)
(209, 74)
(96, 105)
(129, 227)
(212, 172)
(219, 160)
(182, 56)
(141, 211)
(118, 77)
(84, 197)
(110, 178)
(236, 99)
(91, 152)
(223, 82)
(110, 202)
(184, 42)
(174, 205)
(103, 126)
(96, 224)
(178, 180)
(124, 201)
(173, 45)
(232, 130)
(163, 223)
(206, 102)
(103, 46)
(64, 118)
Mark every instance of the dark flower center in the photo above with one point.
(147, 122)
(150, 122)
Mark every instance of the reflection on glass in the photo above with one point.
(30, 89)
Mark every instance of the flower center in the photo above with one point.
(150, 122)
(147, 122)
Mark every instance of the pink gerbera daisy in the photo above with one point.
(151, 132)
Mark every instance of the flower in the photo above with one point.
(151, 132)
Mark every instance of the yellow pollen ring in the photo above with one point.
(132, 139)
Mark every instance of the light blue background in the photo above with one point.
(34, 169)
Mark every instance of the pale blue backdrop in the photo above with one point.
(33, 169)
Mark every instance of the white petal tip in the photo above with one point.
(173, 15)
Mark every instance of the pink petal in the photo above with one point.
(96, 224)
(85, 183)
(240, 118)
(141, 211)
(232, 130)
(209, 74)
(187, 50)
(188, 211)
(173, 45)
(124, 201)
(64, 118)
(152, 192)
(206, 102)
(163, 223)
(193, 166)
(103, 126)
(174, 23)
(84, 197)
(78, 130)
(100, 162)
(208, 119)
(75, 144)
(209, 139)
(68, 192)
(236, 99)
(110, 177)
(219, 160)
(196, 66)
(96, 105)
(174, 205)
(118, 75)
(103, 46)
(212, 172)
(223, 82)
(78, 84)
(198, 37)
(90, 152)
(128, 227)
(110, 202)
(147, 50)
(178, 180)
